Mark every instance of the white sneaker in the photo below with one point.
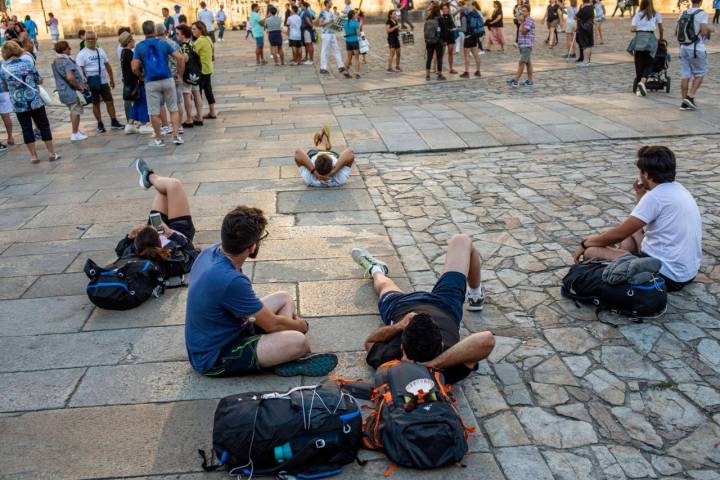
(476, 302)
(482, 52)
(78, 137)
(145, 129)
(130, 129)
(307, 62)
(164, 130)
(156, 142)
(178, 140)
(181, 131)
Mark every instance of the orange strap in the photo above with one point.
(343, 381)
(390, 363)
(390, 470)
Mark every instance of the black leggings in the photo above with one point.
(436, 49)
(206, 87)
(41, 120)
(643, 64)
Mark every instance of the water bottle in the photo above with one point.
(283, 453)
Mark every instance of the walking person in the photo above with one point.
(258, 33)
(151, 63)
(694, 56)
(221, 18)
(187, 49)
(392, 27)
(70, 85)
(273, 23)
(54, 27)
(205, 50)
(405, 7)
(99, 74)
(716, 17)
(599, 19)
(552, 19)
(584, 35)
(206, 16)
(6, 108)
(133, 89)
(352, 44)
(570, 29)
(448, 30)
(329, 38)
(619, 5)
(495, 24)
(21, 80)
(644, 45)
(32, 31)
(525, 44)
(434, 46)
(472, 38)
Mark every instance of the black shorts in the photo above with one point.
(239, 357)
(350, 46)
(471, 41)
(103, 94)
(275, 38)
(295, 43)
(183, 225)
(393, 42)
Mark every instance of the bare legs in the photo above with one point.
(7, 121)
(281, 347)
(170, 198)
(632, 244)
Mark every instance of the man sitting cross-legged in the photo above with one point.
(665, 223)
(320, 166)
(425, 326)
(221, 337)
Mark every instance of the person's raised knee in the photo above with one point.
(297, 344)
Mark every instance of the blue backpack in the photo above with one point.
(476, 25)
(155, 62)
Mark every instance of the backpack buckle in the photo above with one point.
(320, 443)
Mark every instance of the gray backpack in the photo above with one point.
(430, 30)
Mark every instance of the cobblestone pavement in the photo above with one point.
(86, 393)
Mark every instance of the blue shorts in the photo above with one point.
(260, 41)
(447, 294)
(350, 46)
(692, 64)
(275, 38)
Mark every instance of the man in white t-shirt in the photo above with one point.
(665, 223)
(329, 38)
(206, 16)
(294, 24)
(320, 166)
(694, 57)
(176, 16)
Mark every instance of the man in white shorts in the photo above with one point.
(151, 62)
(320, 166)
(694, 57)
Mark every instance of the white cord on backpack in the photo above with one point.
(252, 440)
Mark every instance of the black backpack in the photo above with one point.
(685, 28)
(584, 284)
(430, 30)
(417, 430)
(125, 284)
(309, 432)
(193, 68)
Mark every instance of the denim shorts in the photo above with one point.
(693, 64)
(447, 294)
(260, 41)
(350, 46)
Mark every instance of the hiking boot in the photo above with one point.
(145, 171)
(363, 258)
(317, 365)
(476, 302)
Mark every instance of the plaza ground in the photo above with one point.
(93, 394)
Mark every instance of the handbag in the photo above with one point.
(83, 96)
(44, 95)
(95, 81)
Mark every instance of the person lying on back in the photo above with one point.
(322, 167)
(665, 223)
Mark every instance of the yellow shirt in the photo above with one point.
(204, 49)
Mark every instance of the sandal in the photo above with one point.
(53, 158)
(211, 117)
(34, 160)
(326, 133)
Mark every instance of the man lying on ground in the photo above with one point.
(665, 223)
(320, 166)
(425, 326)
(221, 336)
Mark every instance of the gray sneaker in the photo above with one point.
(476, 302)
(363, 258)
(144, 170)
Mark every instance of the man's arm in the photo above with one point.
(468, 351)
(614, 235)
(136, 66)
(383, 334)
(110, 74)
(342, 163)
(271, 322)
(180, 58)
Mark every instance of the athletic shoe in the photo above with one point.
(586, 64)
(465, 75)
(685, 107)
(478, 74)
(3, 148)
(115, 125)
(341, 69)
(690, 103)
(322, 70)
(78, 137)
(572, 55)
(637, 93)
(476, 302)
(100, 128)
(145, 129)
(144, 170)
(363, 258)
(156, 142)
(130, 129)
(482, 52)
(164, 130)
(512, 83)
(181, 130)
(307, 62)
(528, 83)
(317, 365)
(178, 140)
(642, 89)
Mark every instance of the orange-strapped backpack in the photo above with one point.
(413, 418)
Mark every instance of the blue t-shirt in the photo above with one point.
(220, 300)
(31, 28)
(351, 30)
(257, 29)
(154, 53)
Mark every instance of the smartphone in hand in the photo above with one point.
(156, 221)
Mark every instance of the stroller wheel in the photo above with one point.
(667, 85)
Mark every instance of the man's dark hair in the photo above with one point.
(182, 18)
(294, 8)
(323, 164)
(185, 30)
(123, 29)
(203, 4)
(253, 6)
(421, 339)
(81, 33)
(148, 27)
(242, 227)
(658, 162)
(272, 10)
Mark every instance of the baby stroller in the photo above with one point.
(659, 78)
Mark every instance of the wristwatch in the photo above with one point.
(582, 244)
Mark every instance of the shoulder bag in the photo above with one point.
(44, 95)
